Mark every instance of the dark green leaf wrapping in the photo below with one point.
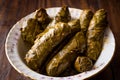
(95, 34)
(35, 26)
(83, 64)
(66, 56)
(42, 17)
(85, 18)
(62, 16)
(75, 27)
(30, 31)
(49, 39)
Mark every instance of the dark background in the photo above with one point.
(13, 10)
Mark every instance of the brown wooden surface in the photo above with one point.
(13, 10)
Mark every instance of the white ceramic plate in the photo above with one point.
(15, 50)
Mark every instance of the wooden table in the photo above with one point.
(13, 10)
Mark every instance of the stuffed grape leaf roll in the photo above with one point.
(49, 39)
(85, 18)
(83, 64)
(42, 17)
(35, 26)
(65, 57)
(95, 34)
(30, 32)
(62, 16)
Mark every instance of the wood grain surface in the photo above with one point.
(13, 10)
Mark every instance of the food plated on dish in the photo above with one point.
(61, 43)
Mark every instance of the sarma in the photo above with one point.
(65, 57)
(75, 27)
(83, 64)
(95, 34)
(42, 17)
(62, 16)
(85, 18)
(49, 39)
(35, 26)
(30, 32)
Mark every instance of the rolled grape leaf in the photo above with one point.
(85, 18)
(83, 64)
(50, 38)
(35, 26)
(30, 31)
(65, 57)
(62, 16)
(75, 27)
(95, 34)
(42, 17)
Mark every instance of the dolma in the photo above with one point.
(85, 18)
(95, 34)
(30, 31)
(65, 57)
(42, 17)
(75, 27)
(35, 26)
(50, 38)
(83, 64)
(62, 16)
